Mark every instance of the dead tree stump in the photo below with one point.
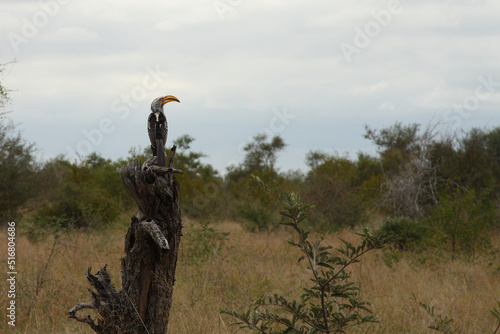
(148, 269)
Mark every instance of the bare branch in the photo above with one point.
(171, 164)
(162, 171)
(87, 320)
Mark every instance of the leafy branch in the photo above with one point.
(496, 314)
(332, 303)
(443, 324)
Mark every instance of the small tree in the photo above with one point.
(411, 175)
(464, 218)
(201, 184)
(17, 163)
(261, 154)
(18, 169)
(260, 159)
(333, 184)
(332, 303)
(4, 93)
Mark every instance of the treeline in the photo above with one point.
(428, 185)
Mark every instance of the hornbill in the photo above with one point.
(158, 128)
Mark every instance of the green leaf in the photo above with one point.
(329, 292)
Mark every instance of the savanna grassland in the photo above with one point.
(222, 265)
(437, 194)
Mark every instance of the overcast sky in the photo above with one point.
(314, 72)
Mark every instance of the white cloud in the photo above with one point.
(363, 90)
(230, 73)
(386, 106)
(427, 15)
(344, 15)
(70, 35)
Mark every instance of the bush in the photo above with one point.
(258, 217)
(203, 241)
(464, 219)
(248, 202)
(406, 232)
(87, 195)
(18, 168)
(201, 188)
(332, 303)
(333, 185)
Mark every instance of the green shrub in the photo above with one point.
(247, 201)
(87, 195)
(406, 232)
(332, 303)
(464, 219)
(201, 187)
(444, 323)
(258, 217)
(203, 241)
(333, 185)
(18, 168)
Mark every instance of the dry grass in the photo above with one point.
(248, 266)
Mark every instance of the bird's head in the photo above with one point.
(158, 103)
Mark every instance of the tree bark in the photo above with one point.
(148, 269)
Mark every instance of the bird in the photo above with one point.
(158, 127)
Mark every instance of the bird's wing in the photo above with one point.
(164, 127)
(151, 129)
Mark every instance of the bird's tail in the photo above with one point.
(160, 152)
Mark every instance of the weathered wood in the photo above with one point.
(171, 164)
(151, 227)
(148, 269)
(88, 320)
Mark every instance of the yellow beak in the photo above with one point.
(169, 98)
